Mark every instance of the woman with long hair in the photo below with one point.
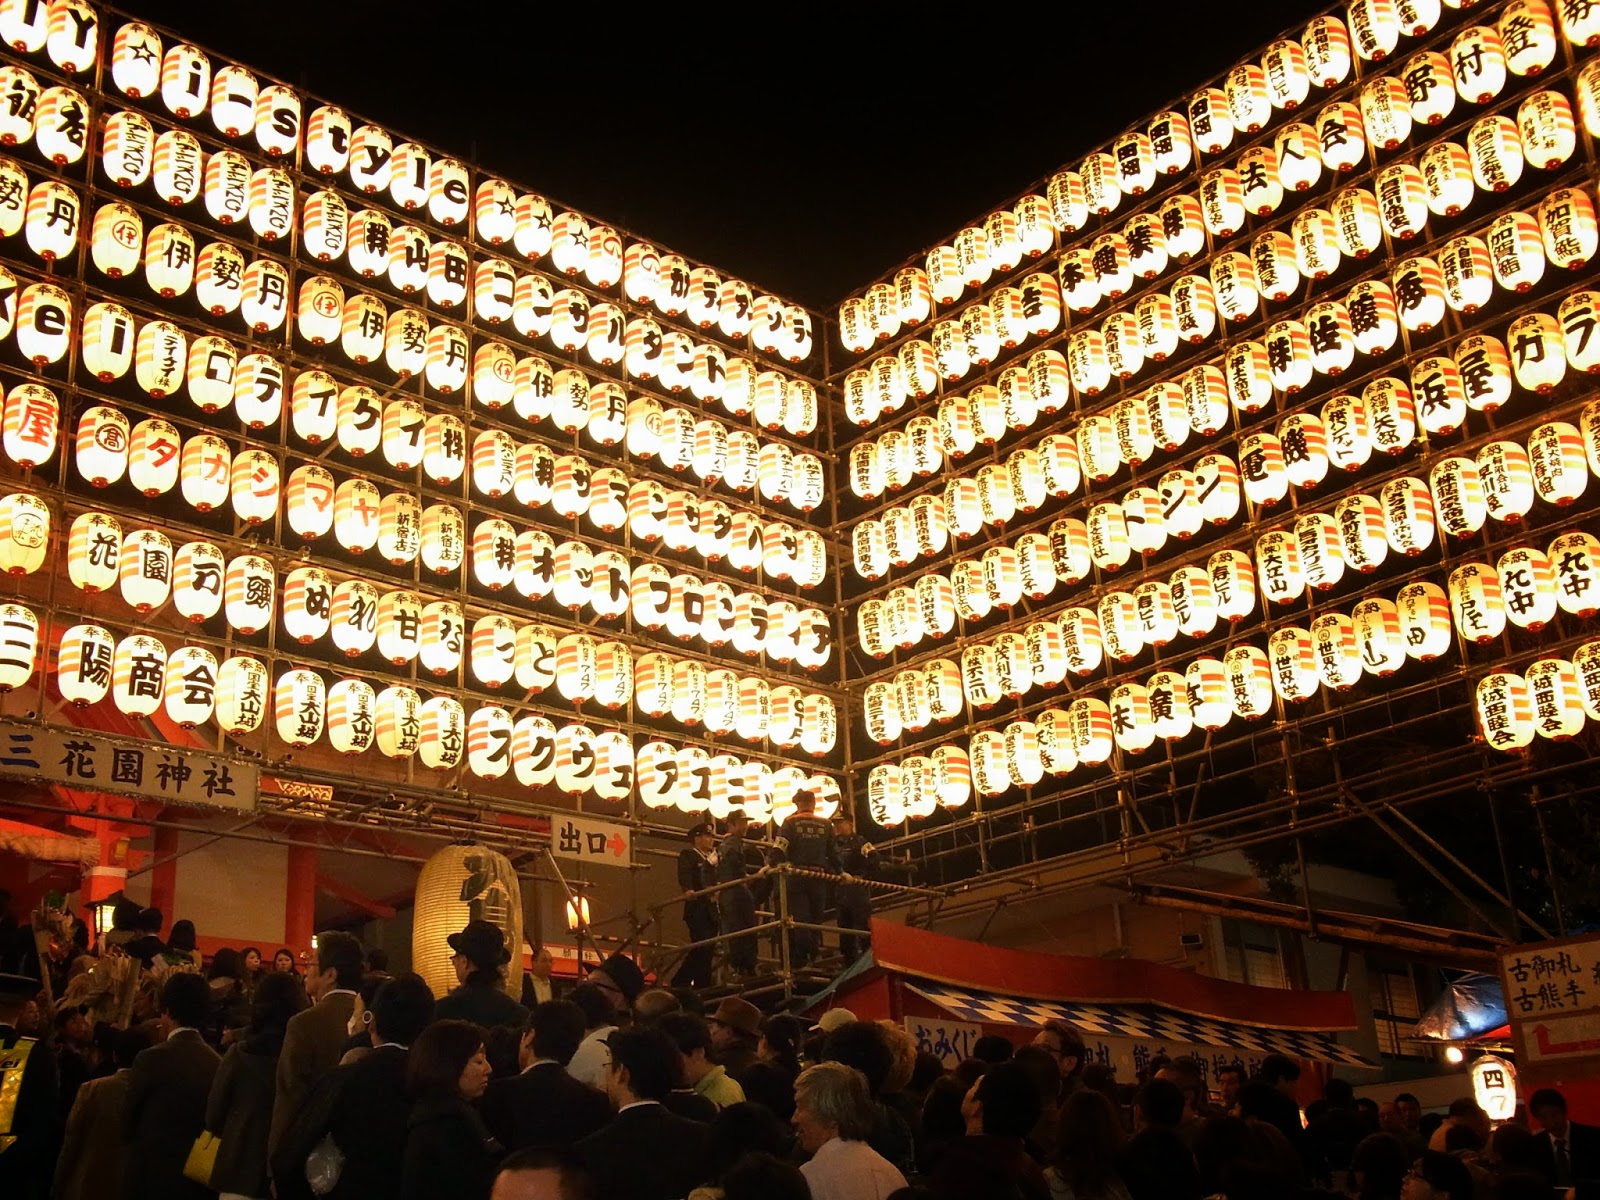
(448, 1150)
(283, 961)
(1087, 1144)
(239, 1110)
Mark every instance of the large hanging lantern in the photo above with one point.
(84, 664)
(575, 759)
(399, 626)
(441, 638)
(307, 604)
(299, 706)
(1528, 587)
(1476, 602)
(1577, 572)
(399, 721)
(353, 617)
(1505, 711)
(1291, 653)
(1194, 601)
(189, 686)
(442, 733)
(352, 716)
(249, 588)
(1233, 584)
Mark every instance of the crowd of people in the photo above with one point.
(248, 1078)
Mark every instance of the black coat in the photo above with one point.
(168, 1086)
(25, 1168)
(1583, 1148)
(449, 1154)
(543, 1106)
(647, 1153)
(482, 1005)
(366, 1107)
(239, 1111)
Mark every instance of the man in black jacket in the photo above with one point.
(858, 859)
(737, 905)
(1569, 1153)
(697, 870)
(479, 956)
(806, 840)
(645, 1153)
(364, 1107)
(544, 1106)
(168, 1086)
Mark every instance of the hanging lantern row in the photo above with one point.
(917, 786)
(693, 780)
(403, 174)
(156, 459)
(366, 331)
(259, 388)
(1525, 587)
(1386, 416)
(692, 695)
(200, 581)
(1422, 91)
(1552, 697)
(1461, 276)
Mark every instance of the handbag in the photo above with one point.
(324, 1165)
(202, 1158)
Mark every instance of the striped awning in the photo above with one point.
(1145, 1022)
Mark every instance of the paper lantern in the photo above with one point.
(1193, 600)
(307, 604)
(1386, 112)
(1468, 273)
(1277, 555)
(1217, 484)
(1232, 584)
(1577, 571)
(299, 706)
(198, 585)
(1505, 711)
(1262, 469)
(136, 59)
(138, 675)
(1547, 129)
(442, 733)
(43, 323)
(352, 716)
(189, 686)
(1448, 176)
(441, 639)
(400, 626)
(1419, 293)
(84, 664)
(1424, 610)
(1556, 457)
(353, 617)
(1458, 498)
(1249, 681)
(1517, 251)
(1205, 396)
(533, 754)
(1337, 653)
(1557, 699)
(1485, 372)
(19, 645)
(1303, 443)
(534, 219)
(1291, 653)
(1379, 636)
(1476, 602)
(1506, 475)
(1528, 587)
(575, 761)
(399, 721)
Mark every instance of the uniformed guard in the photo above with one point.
(858, 861)
(806, 840)
(736, 861)
(27, 1097)
(697, 870)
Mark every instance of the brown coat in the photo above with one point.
(311, 1048)
(90, 1166)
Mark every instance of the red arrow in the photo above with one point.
(618, 846)
(1546, 1046)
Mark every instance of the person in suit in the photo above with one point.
(167, 1090)
(479, 955)
(90, 1165)
(697, 870)
(1568, 1153)
(544, 1106)
(363, 1106)
(646, 1152)
(315, 1038)
(239, 1110)
(448, 1152)
(537, 985)
(30, 1110)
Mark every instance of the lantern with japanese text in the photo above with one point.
(441, 733)
(1506, 474)
(352, 716)
(1556, 456)
(353, 617)
(1577, 572)
(299, 706)
(575, 759)
(1505, 711)
(1528, 587)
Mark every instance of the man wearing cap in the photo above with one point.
(806, 840)
(735, 1033)
(479, 955)
(697, 870)
(858, 861)
(28, 1103)
(737, 905)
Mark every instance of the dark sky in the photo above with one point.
(807, 160)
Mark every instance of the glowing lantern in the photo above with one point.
(198, 585)
(1337, 654)
(19, 646)
(1505, 711)
(1546, 128)
(1506, 474)
(1528, 587)
(494, 552)
(1556, 457)
(1294, 665)
(1194, 601)
(399, 626)
(1232, 584)
(1567, 226)
(398, 527)
(254, 486)
(1424, 620)
(1205, 397)
(441, 733)
(1277, 272)
(43, 323)
(441, 639)
(1278, 565)
(1217, 484)
(1261, 465)
(353, 617)
(574, 574)
(351, 716)
(307, 604)
(1458, 497)
(1577, 571)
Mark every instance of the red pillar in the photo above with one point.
(164, 877)
(300, 898)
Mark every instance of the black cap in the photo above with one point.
(704, 829)
(483, 943)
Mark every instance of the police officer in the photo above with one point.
(858, 860)
(28, 1102)
(736, 862)
(697, 870)
(806, 840)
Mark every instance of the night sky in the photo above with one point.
(808, 160)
